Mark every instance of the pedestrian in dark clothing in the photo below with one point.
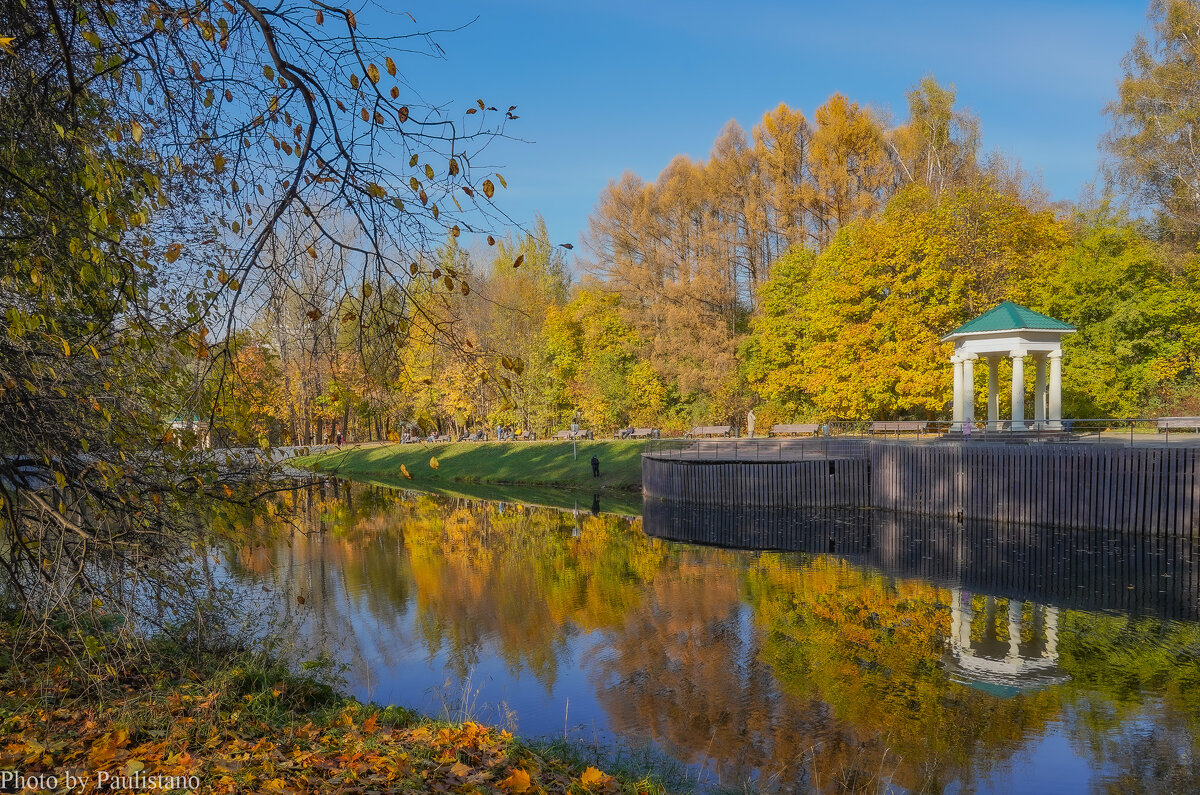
(595, 467)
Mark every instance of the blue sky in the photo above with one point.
(608, 87)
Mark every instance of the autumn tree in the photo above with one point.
(1135, 353)
(527, 279)
(939, 145)
(252, 408)
(599, 360)
(781, 147)
(851, 171)
(769, 356)
(1156, 117)
(161, 146)
(855, 332)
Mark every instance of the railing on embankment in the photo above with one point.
(1154, 490)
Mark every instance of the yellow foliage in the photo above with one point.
(517, 782)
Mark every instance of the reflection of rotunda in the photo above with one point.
(1003, 651)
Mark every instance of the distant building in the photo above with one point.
(1017, 333)
(192, 426)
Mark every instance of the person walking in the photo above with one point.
(595, 467)
(750, 420)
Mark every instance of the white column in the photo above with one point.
(1050, 629)
(969, 387)
(1056, 389)
(1014, 631)
(1018, 390)
(1039, 392)
(993, 393)
(966, 615)
(958, 392)
(955, 614)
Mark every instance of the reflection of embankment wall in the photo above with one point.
(1134, 573)
(1152, 490)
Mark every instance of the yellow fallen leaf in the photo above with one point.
(460, 770)
(591, 777)
(517, 782)
(433, 462)
(404, 472)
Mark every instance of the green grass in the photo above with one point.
(542, 464)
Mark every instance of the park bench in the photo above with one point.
(582, 433)
(443, 438)
(800, 429)
(900, 426)
(1173, 423)
(636, 433)
(710, 430)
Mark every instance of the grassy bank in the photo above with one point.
(544, 464)
(235, 722)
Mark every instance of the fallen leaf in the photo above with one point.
(591, 777)
(517, 782)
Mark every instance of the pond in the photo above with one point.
(863, 653)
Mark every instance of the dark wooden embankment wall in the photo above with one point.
(1154, 490)
(813, 483)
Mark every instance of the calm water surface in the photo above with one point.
(863, 654)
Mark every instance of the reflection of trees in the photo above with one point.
(1156, 751)
(1150, 742)
(507, 577)
(798, 672)
(683, 669)
(836, 682)
(518, 577)
(309, 539)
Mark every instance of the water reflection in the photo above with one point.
(1094, 570)
(916, 656)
